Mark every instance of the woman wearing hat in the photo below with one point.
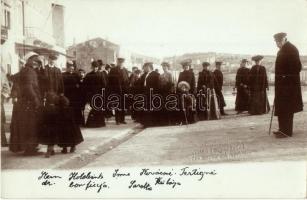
(187, 75)
(242, 98)
(93, 86)
(258, 84)
(24, 127)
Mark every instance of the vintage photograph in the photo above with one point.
(93, 84)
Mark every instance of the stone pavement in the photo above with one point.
(96, 142)
(232, 139)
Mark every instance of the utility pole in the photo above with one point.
(23, 27)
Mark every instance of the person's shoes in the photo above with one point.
(224, 113)
(239, 112)
(124, 122)
(279, 134)
(64, 150)
(117, 123)
(72, 149)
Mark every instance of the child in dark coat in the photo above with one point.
(58, 125)
(69, 132)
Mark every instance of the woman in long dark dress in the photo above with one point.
(93, 86)
(242, 98)
(258, 84)
(72, 91)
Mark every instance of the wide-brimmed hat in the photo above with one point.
(183, 84)
(257, 58)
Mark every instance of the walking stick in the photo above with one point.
(273, 109)
(184, 112)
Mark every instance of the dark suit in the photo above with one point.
(50, 80)
(218, 84)
(288, 95)
(118, 82)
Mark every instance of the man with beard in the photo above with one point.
(242, 98)
(218, 84)
(288, 95)
(258, 84)
(205, 81)
(25, 136)
(118, 82)
(93, 86)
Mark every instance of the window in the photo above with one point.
(6, 19)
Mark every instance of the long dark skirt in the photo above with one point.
(259, 103)
(69, 132)
(95, 119)
(49, 128)
(24, 127)
(242, 99)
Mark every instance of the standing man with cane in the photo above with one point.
(288, 95)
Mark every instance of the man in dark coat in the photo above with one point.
(50, 78)
(242, 98)
(288, 95)
(72, 91)
(187, 75)
(205, 81)
(118, 82)
(93, 86)
(29, 102)
(258, 84)
(218, 84)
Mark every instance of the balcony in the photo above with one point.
(38, 37)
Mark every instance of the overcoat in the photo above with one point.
(288, 95)
(242, 98)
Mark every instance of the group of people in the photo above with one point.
(48, 105)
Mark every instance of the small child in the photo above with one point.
(48, 134)
(69, 132)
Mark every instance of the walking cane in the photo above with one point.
(273, 109)
(184, 112)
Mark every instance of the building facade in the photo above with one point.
(31, 25)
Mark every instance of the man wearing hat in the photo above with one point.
(50, 77)
(288, 95)
(24, 129)
(242, 98)
(218, 84)
(118, 82)
(205, 81)
(258, 84)
(187, 75)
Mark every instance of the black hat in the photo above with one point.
(205, 64)
(108, 66)
(257, 58)
(99, 62)
(218, 63)
(94, 64)
(53, 57)
(279, 36)
(120, 59)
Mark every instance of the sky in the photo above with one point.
(163, 28)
